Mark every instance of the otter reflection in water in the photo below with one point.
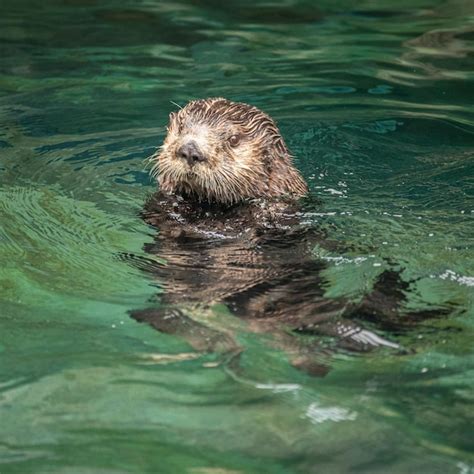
(231, 231)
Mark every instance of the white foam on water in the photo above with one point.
(318, 414)
(453, 276)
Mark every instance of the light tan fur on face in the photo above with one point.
(255, 164)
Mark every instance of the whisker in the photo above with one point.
(177, 105)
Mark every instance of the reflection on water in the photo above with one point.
(262, 269)
(375, 102)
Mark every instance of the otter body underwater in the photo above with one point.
(231, 231)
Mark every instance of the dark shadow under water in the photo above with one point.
(256, 259)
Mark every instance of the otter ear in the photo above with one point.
(283, 177)
(275, 162)
(173, 121)
(277, 153)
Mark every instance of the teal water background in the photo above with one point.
(375, 99)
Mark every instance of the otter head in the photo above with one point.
(225, 152)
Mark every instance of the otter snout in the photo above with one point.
(190, 152)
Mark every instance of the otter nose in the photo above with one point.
(191, 153)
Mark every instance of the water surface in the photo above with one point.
(375, 99)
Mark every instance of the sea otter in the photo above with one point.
(231, 229)
(227, 158)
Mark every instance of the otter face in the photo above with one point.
(225, 152)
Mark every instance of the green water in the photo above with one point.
(374, 98)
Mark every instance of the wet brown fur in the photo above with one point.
(230, 231)
(258, 166)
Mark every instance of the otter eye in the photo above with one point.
(234, 140)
